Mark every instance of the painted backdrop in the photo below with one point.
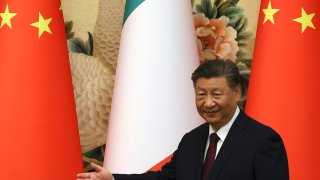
(93, 31)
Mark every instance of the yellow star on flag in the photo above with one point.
(305, 20)
(6, 17)
(42, 25)
(269, 12)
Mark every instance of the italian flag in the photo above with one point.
(153, 102)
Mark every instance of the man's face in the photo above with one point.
(216, 102)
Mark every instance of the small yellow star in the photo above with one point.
(269, 12)
(305, 20)
(42, 25)
(6, 17)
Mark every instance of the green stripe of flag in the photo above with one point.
(131, 5)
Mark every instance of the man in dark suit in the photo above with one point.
(229, 146)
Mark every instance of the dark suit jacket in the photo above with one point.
(251, 151)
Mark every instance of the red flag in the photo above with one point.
(38, 127)
(284, 83)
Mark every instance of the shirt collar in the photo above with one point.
(223, 131)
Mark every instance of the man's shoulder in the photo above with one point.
(199, 130)
(255, 126)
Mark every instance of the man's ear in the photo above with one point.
(238, 92)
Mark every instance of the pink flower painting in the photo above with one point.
(215, 39)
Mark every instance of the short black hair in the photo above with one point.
(218, 68)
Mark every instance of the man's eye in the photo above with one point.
(217, 95)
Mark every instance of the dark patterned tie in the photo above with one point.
(211, 153)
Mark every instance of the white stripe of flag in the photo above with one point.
(153, 102)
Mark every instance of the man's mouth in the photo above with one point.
(211, 113)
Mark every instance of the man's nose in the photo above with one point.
(209, 102)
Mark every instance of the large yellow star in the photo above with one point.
(269, 12)
(42, 25)
(6, 17)
(305, 20)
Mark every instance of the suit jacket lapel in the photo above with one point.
(199, 149)
(233, 138)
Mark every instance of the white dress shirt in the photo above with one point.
(222, 133)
